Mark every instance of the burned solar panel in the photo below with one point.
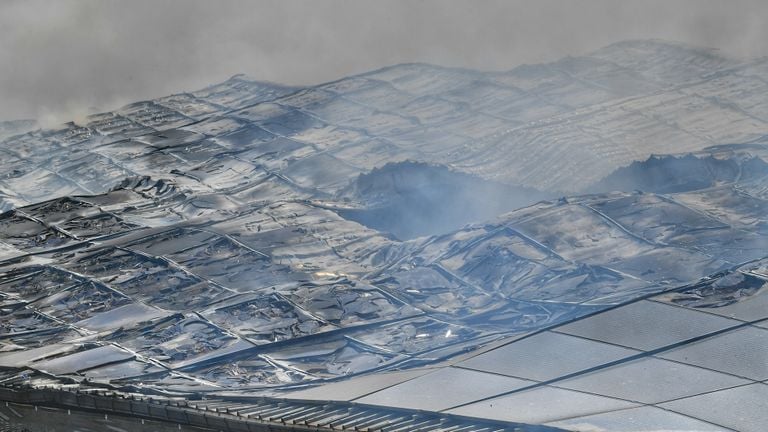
(240, 251)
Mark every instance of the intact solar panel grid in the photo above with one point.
(352, 389)
(443, 389)
(546, 356)
(647, 325)
(743, 408)
(542, 405)
(642, 419)
(651, 380)
(742, 352)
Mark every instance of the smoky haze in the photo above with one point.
(63, 59)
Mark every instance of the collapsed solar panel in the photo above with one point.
(255, 256)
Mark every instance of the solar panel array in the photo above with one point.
(200, 244)
(694, 358)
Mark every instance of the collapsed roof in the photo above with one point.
(253, 240)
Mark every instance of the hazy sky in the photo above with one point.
(61, 58)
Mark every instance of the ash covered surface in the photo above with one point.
(256, 239)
